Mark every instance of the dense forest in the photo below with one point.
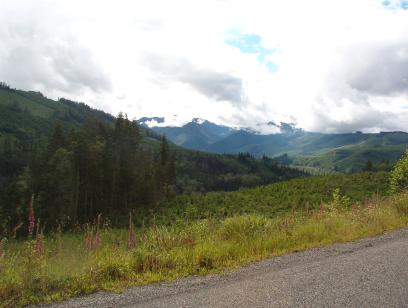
(77, 163)
(98, 169)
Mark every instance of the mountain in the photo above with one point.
(347, 152)
(197, 134)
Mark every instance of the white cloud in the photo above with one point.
(341, 65)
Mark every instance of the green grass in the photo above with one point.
(164, 253)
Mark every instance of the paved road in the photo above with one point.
(367, 273)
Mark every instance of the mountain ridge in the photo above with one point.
(312, 149)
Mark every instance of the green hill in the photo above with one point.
(89, 141)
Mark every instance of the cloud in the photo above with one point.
(347, 117)
(378, 68)
(333, 66)
(63, 67)
(365, 89)
(214, 85)
(34, 57)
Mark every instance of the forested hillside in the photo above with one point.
(78, 162)
(302, 194)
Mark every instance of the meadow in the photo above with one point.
(46, 268)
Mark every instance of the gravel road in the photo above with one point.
(367, 273)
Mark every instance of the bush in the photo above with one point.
(399, 175)
(400, 204)
(244, 227)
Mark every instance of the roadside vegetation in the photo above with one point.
(201, 237)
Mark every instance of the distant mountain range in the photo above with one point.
(339, 152)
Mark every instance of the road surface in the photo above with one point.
(367, 273)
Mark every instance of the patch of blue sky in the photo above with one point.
(251, 43)
(395, 4)
(246, 43)
(272, 67)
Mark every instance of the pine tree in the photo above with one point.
(57, 140)
(369, 166)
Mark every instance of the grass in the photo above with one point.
(67, 268)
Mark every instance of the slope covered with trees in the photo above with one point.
(79, 162)
(98, 169)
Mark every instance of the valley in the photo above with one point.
(91, 202)
(347, 152)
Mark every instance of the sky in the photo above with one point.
(325, 65)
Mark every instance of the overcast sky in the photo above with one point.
(326, 65)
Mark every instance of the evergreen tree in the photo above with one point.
(57, 140)
(369, 166)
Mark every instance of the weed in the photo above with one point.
(56, 267)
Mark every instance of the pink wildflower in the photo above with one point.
(322, 208)
(131, 233)
(88, 241)
(31, 217)
(38, 246)
(97, 240)
(38, 241)
(2, 245)
(142, 236)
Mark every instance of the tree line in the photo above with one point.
(98, 169)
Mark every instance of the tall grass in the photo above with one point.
(67, 266)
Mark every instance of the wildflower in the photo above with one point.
(116, 243)
(131, 233)
(370, 205)
(142, 237)
(88, 240)
(97, 240)
(322, 207)
(2, 247)
(31, 217)
(38, 241)
(38, 246)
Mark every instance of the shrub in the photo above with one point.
(246, 226)
(399, 175)
(400, 204)
(339, 201)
